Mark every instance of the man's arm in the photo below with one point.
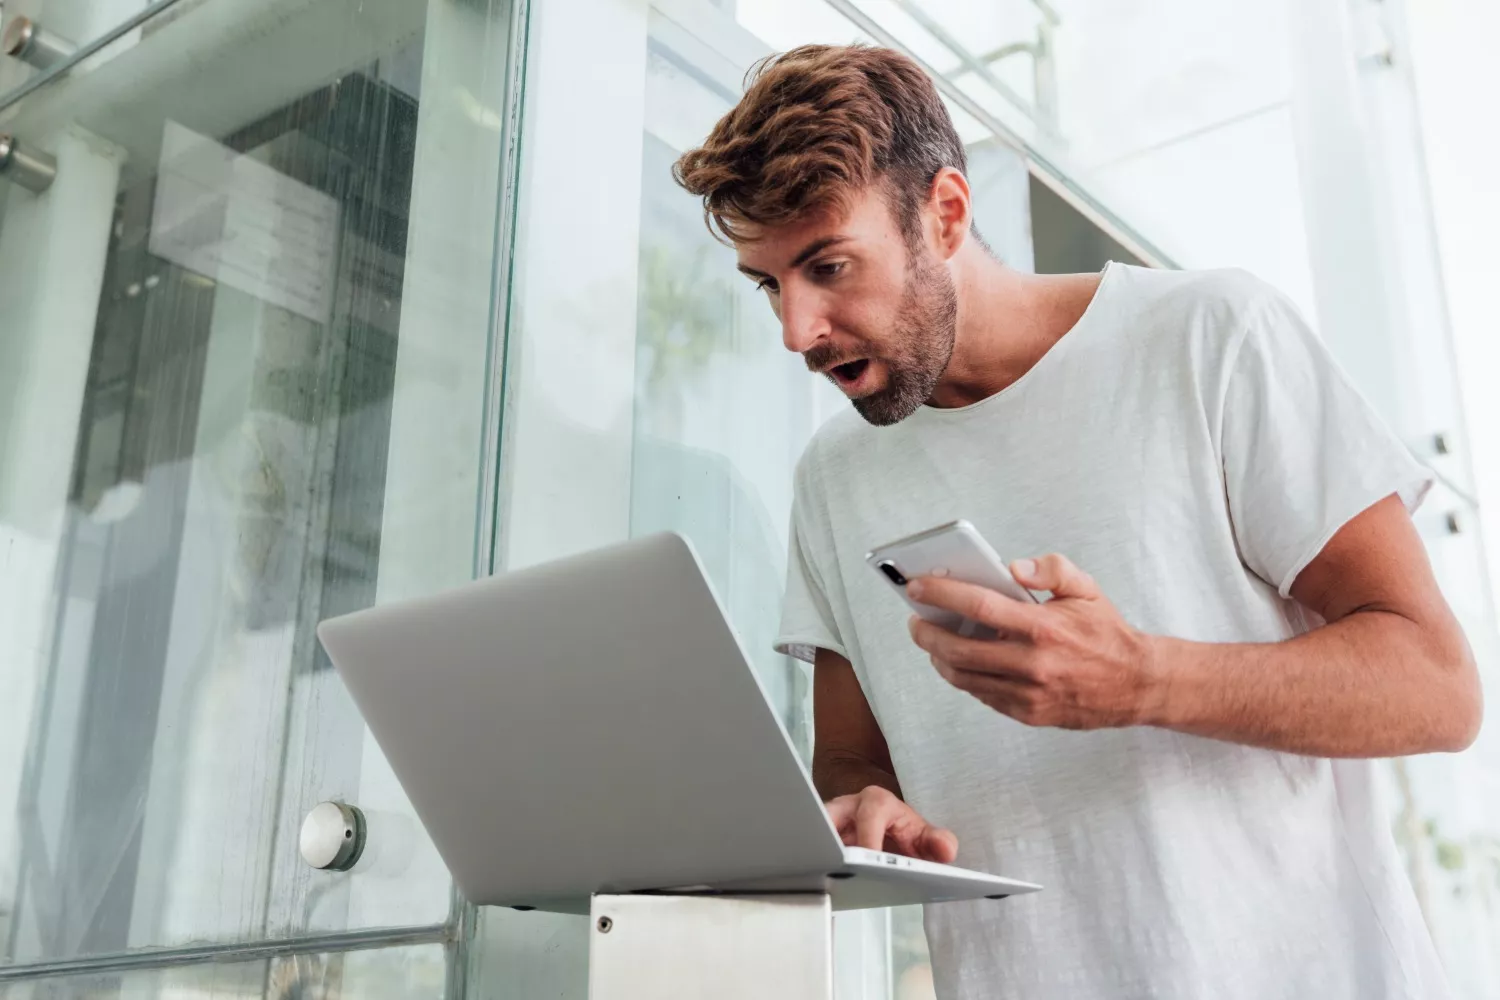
(849, 751)
(1390, 673)
(853, 772)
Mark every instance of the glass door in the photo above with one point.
(648, 388)
(247, 275)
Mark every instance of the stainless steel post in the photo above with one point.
(724, 947)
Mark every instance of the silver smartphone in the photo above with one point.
(954, 550)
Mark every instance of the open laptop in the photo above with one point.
(593, 725)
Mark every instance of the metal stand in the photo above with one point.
(724, 947)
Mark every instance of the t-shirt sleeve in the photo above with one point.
(806, 616)
(1303, 452)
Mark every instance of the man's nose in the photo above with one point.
(803, 322)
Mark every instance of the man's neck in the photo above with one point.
(1006, 321)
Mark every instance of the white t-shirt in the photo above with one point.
(1191, 445)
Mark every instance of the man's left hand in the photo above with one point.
(1071, 662)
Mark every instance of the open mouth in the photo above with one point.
(849, 373)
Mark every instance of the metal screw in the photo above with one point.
(1454, 523)
(1441, 444)
(606, 925)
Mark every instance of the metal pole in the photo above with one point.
(654, 947)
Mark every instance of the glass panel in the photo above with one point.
(410, 973)
(721, 409)
(1446, 807)
(525, 956)
(648, 388)
(41, 35)
(245, 364)
(1447, 46)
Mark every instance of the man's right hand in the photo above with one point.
(876, 819)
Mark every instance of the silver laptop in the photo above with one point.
(593, 725)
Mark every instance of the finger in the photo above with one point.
(979, 603)
(1055, 573)
(1000, 657)
(910, 834)
(841, 811)
(937, 844)
(873, 819)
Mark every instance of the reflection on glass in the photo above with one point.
(201, 457)
(226, 495)
(411, 973)
(1002, 54)
(721, 409)
(41, 37)
(910, 964)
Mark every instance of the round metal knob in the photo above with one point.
(17, 36)
(27, 41)
(333, 836)
(31, 169)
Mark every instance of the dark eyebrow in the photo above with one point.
(809, 251)
(817, 247)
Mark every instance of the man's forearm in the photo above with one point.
(837, 773)
(1373, 684)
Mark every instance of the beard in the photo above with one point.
(925, 328)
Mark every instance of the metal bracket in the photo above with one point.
(658, 947)
(29, 42)
(33, 170)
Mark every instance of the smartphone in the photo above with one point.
(955, 550)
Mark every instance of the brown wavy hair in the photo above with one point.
(816, 126)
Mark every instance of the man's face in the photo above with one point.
(877, 317)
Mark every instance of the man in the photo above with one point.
(1240, 610)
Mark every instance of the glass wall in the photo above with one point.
(410, 973)
(246, 369)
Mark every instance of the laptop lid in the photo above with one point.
(587, 725)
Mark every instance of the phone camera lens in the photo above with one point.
(892, 573)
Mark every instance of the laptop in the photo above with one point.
(593, 725)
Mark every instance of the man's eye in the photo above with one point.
(768, 285)
(830, 269)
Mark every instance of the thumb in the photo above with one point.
(937, 844)
(1054, 573)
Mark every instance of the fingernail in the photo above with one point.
(914, 590)
(1024, 567)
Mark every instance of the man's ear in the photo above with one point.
(950, 211)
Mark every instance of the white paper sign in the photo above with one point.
(240, 222)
